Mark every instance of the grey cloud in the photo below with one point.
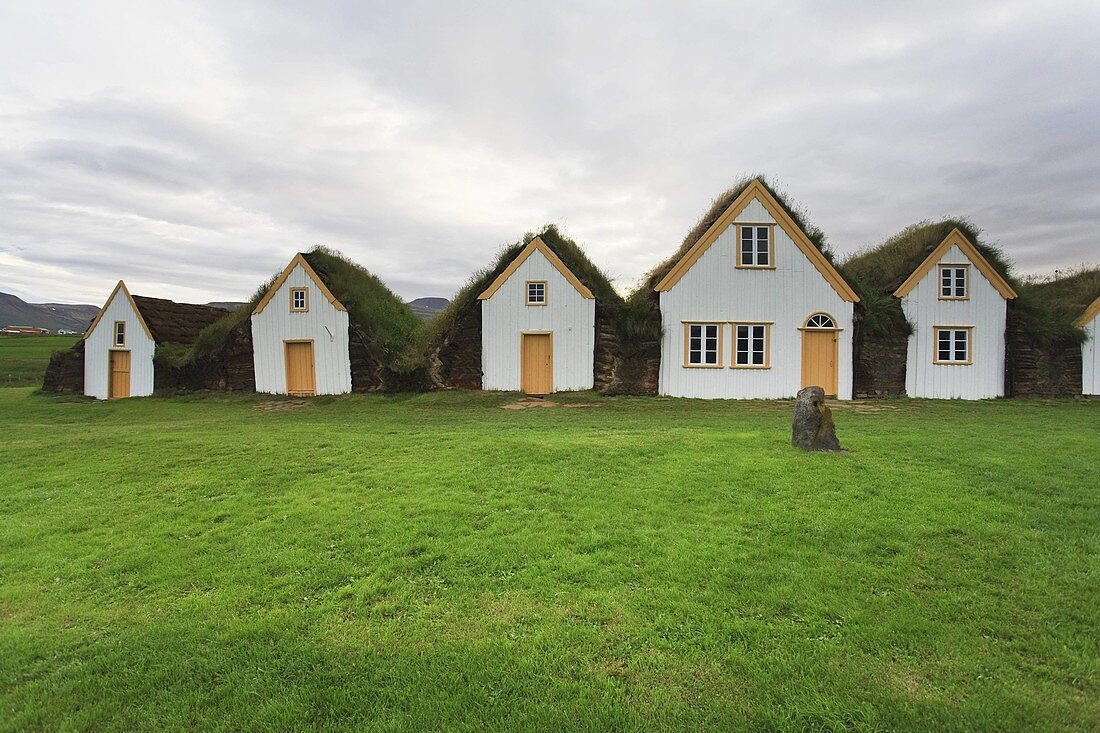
(419, 138)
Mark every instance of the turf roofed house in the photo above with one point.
(540, 320)
(300, 336)
(957, 304)
(1090, 349)
(323, 325)
(120, 344)
(751, 307)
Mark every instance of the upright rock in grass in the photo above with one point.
(813, 427)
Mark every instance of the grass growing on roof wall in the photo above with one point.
(1052, 305)
(878, 271)
(256, 563)
(388, 321)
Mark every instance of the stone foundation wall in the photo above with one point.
(65, 372)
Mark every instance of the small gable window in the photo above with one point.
(299, 300)
(755, 245)
(536, 292)
(702, 344)
(953, 344)
(954, 282)
(120, 333)
(750, 347)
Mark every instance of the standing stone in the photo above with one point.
(813, 427)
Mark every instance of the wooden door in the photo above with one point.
(300, 373)
(819, 360)
(118, 384)
(537, 363)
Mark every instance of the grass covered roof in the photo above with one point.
(388, 322)
(1051, 306)
(175, 323)
(876, 272)
(717, 208)
(568, 251)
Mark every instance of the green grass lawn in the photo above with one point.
(23, 359)
(434, 562)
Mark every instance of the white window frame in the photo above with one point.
(710, 336)
(753, 328)
(953, 270)
(953, 341)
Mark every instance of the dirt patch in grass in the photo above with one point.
(525, 402)
(275, 405)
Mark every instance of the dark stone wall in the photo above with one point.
(1041, 371)
(366, 371)
(229, 369)
(879, 368)
(65, 372)
(456, 363)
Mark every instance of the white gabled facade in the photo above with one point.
(707, 288)
(323, 322)
(1090, 349)
(100, 340)
(939, 312)
(567, 312)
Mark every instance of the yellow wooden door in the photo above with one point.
(537, 363)
(819, 360)
(300, 372)
(118, 380)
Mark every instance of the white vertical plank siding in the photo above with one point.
(985, 311)
(1090, 359)
(98, 345)
(323, 323)
(714, 289)
(568, 315)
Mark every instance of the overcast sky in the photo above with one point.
(192, 148)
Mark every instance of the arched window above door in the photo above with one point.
(822, 321)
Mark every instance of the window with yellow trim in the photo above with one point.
(120, 333)
(536, 292)
(954, 282)
(703, 344)
(299, 299)
(751, 345)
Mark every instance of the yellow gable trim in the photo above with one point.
(98, 316)
(298, 260)
(1091, 312)
(756, 191)
(532, 246)
(958, 239)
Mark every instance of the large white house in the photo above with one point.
(754, 310)
(121, 341)
(1090, 353)
(538, 326)
(300, 336)
(957, 304)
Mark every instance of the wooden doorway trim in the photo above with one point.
(308, 388)
(118, 374)
(536, 379)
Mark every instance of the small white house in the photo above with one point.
(121, 341)
(754, 310)
(118, 350)
(957, 304)
(300, 336)
(538, 328)
(1090, 353)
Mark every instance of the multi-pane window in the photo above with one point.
(953, 282)
(120, 333)
(820, 320)
(953, 345)
(750, 346)
(536, 292)
(756, 246)
(703, 344)
(299, 299)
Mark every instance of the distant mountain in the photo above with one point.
(225, 305)
(426, 308)
(14, 311)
